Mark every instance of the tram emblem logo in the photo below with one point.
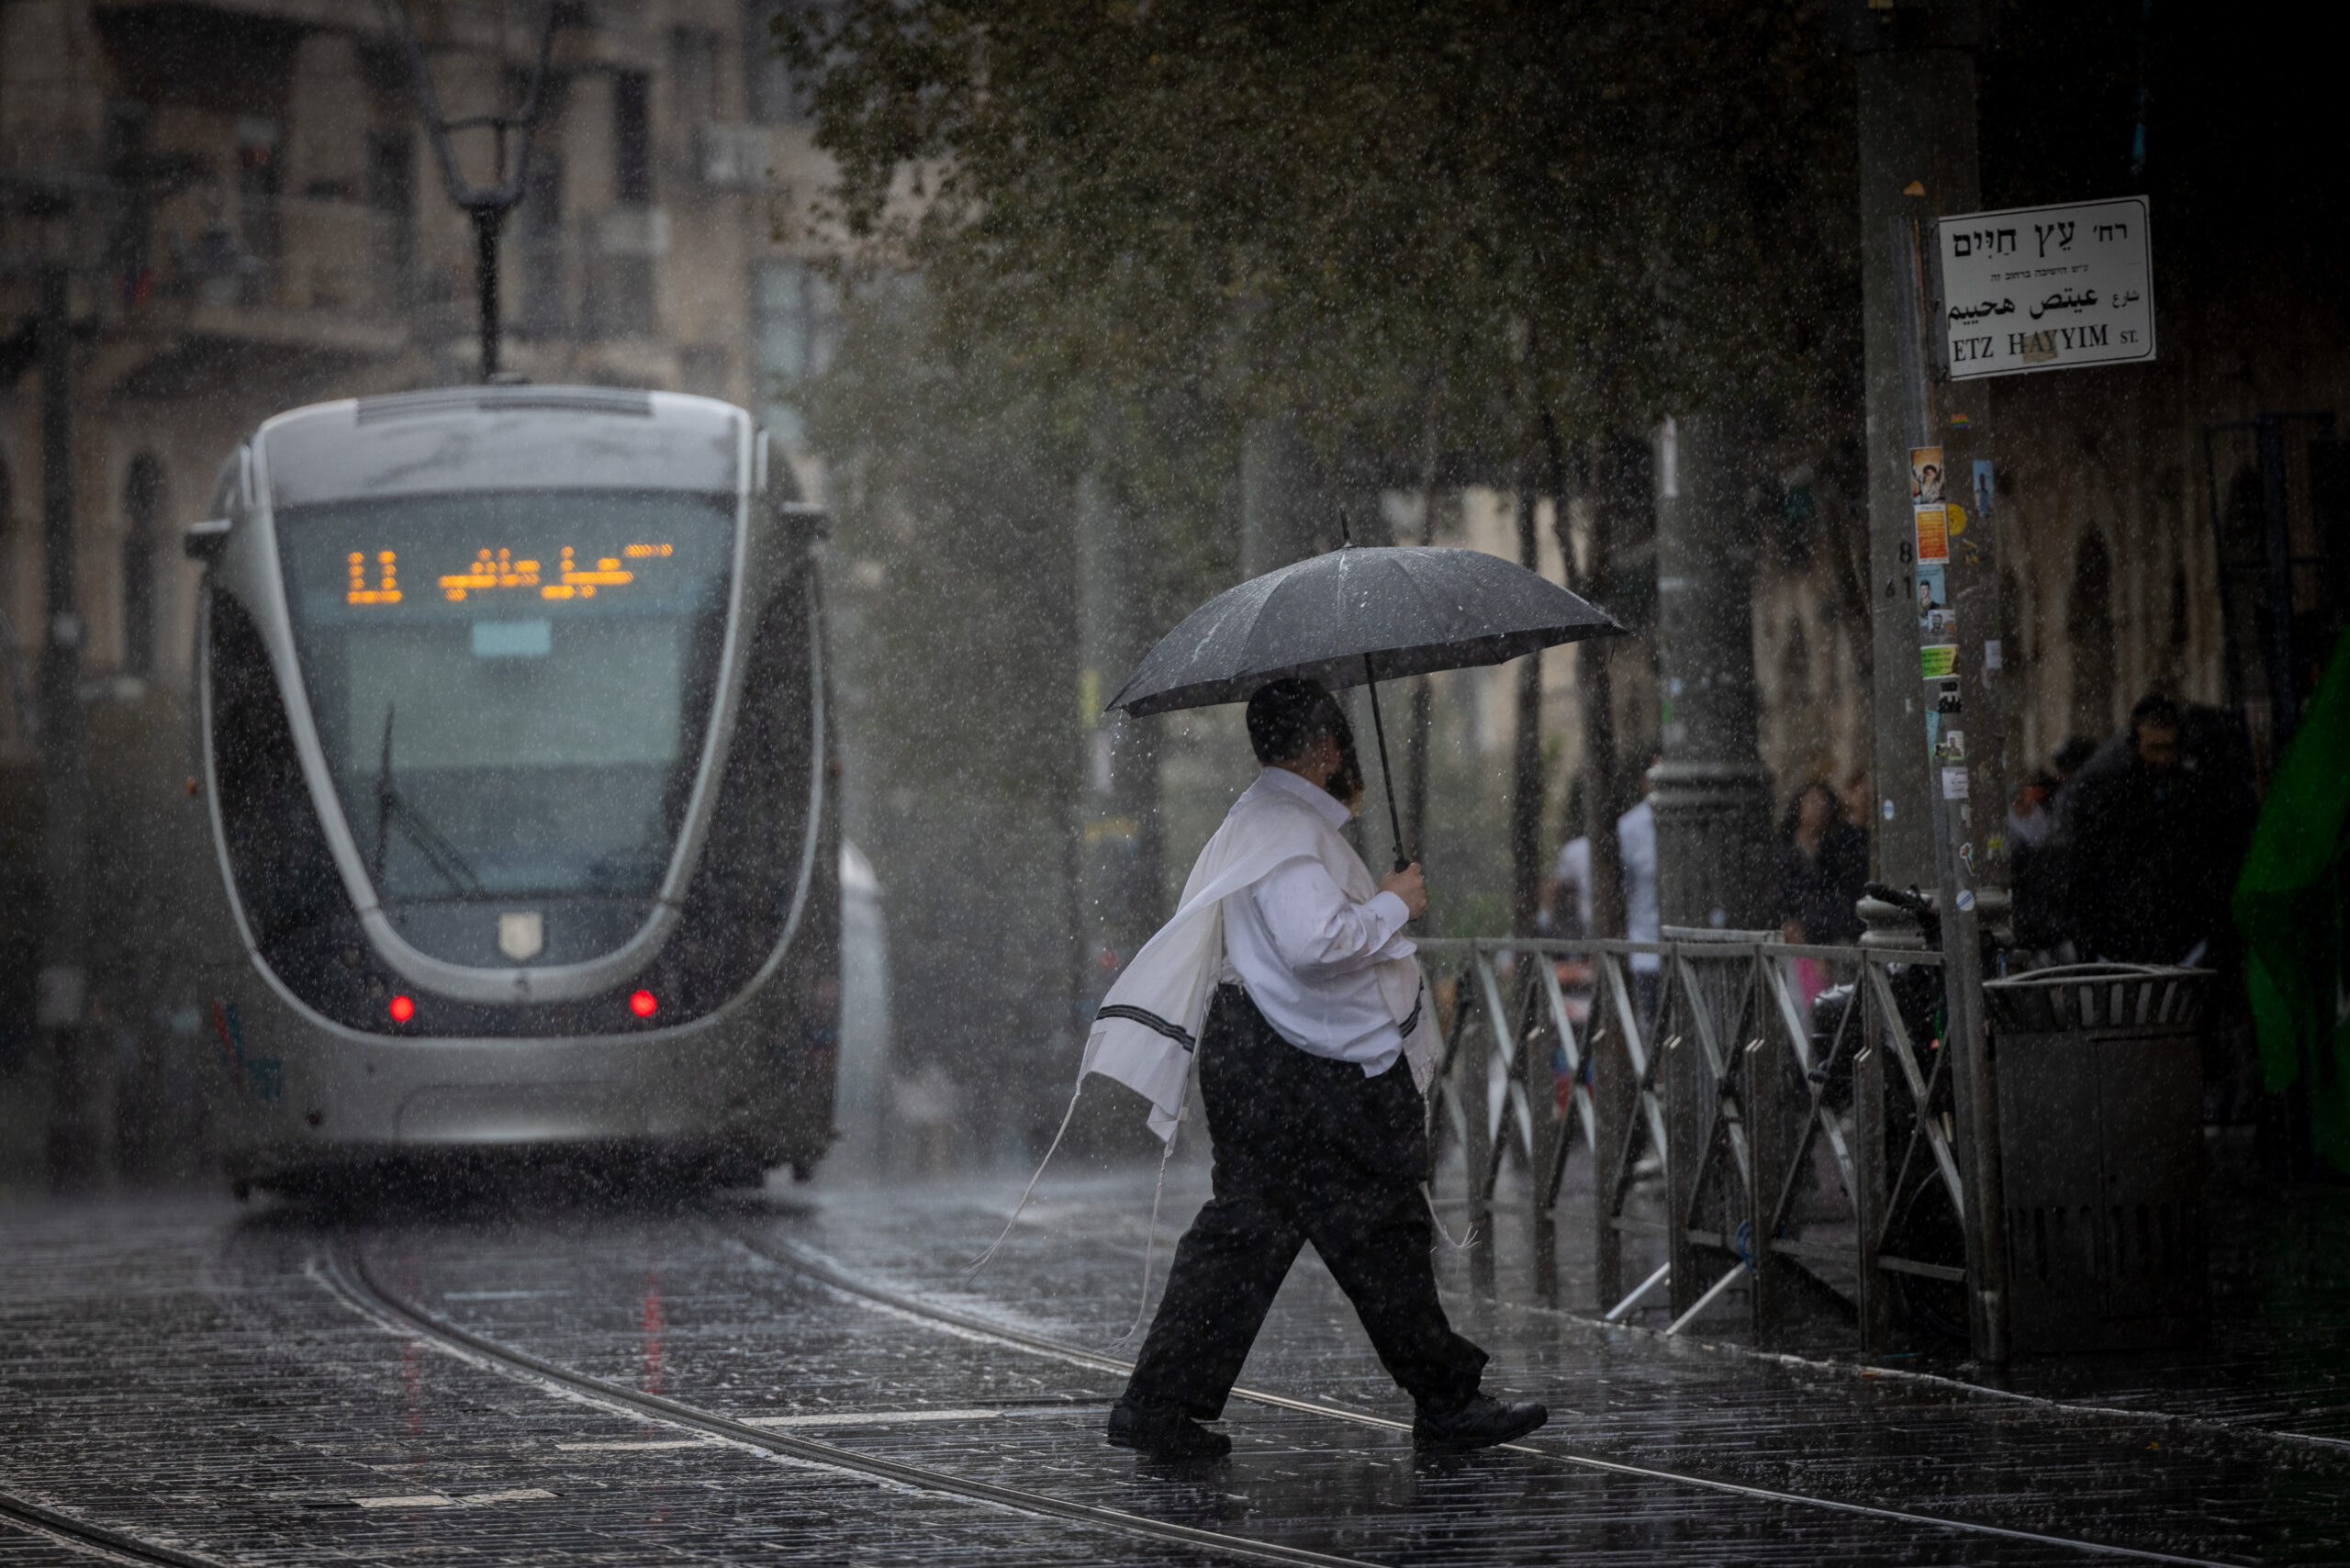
(522, 934)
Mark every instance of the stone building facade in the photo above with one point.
(257, 219)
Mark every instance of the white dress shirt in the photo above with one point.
(1307, 953)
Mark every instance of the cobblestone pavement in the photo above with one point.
(180, 1371)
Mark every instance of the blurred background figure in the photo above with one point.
(1570, 888)
(2038, 856)
(1859, 806)
(2157, 829)
(2035, 867)
(1566, 891)
(2155, 841)
(1566, 914)
(2071, 758)
(1823, 861)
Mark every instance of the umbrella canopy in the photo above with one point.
(1358, 615)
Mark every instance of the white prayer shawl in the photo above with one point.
(1148, 1027)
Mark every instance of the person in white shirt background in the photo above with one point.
(1315, 1111)
(1636, 843)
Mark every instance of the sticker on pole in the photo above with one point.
(1938, 661)
(1934, 533)
(1929, 479)
(1953, 783)
(2046, 288)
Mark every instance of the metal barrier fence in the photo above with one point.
(1751, 1110)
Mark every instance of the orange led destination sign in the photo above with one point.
(388, 581)
(492, 570)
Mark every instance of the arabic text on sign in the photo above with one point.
(492, 570)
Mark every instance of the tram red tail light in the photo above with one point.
(644, 1004)
(402, 1009)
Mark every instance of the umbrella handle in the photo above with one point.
(1395, 821)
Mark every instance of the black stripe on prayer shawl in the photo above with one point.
(1148, 1020)
(1418, 1000)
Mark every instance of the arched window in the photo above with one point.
(2088, 627)
(143, 526)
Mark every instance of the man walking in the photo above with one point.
(1313, 1102)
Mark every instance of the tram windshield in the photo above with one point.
(511, 688)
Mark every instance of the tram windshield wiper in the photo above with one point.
(392, 809)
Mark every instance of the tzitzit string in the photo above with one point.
(979, 1262)
(1438, 1220)
(1151, 1239)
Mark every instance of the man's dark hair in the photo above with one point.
(1286, 716)
(2154, 708)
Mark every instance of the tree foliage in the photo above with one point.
(1373, 215)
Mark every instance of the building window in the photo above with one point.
(770, 93)
(795, 318)
(143, 526)
(631, 139)
(257, 190)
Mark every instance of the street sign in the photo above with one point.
(2044, 289)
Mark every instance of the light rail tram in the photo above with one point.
(514, 735)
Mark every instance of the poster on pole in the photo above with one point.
(2046, 288)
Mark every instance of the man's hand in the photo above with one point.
(1408, 885)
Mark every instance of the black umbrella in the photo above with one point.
(1356, 617)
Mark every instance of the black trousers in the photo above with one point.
(1306, 1150)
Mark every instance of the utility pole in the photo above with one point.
(1917, 160)
(64, 983)
(1713, 795)
(1939, 732)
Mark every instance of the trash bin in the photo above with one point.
(2100, 1091)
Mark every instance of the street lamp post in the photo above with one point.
(486, 205)
(1713, 795)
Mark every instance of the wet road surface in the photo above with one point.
(242, 1385)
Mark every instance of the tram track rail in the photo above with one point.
(92, 1539)
(343, 1272)
(790, 1256)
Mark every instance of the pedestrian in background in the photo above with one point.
(1566, 891)
(2033, 851)
(2039, 855)
(1859, 808)
(1636, 845)
(1823, 862)
(2154, 844)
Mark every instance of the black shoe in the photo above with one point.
(1160, 1431)
(1478, 1422)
